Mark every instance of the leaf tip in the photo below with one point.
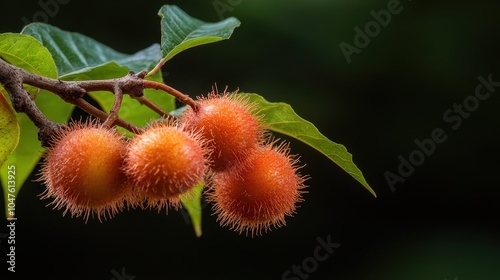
(197, 230)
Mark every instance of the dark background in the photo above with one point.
(440, 223)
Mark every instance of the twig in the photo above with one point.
(12, 78)
(89, 108)
(145, 101)
(177, 94)
(113, 113)
(12, 81)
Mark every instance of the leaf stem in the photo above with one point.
(157, 67)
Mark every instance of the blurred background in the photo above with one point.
(375, 96)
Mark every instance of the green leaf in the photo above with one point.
(104, 71)
(9, 129)
(179, 31)
(26, 52)
(281, 118)
(193, 205)
(77, 56)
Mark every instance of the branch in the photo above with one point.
(113, 113)
(12, 78)
(12, 82)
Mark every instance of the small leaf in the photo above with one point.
(194, 207)
(281, 118)
(76, 54)
(9, 130)
(179, 31)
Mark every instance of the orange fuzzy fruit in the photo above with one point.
(260, 192)
(83, 171)
(164, 162)
(230, 124)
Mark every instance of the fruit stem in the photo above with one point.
(89, 108)
(145, 101)
(177, 94)
(113, 113)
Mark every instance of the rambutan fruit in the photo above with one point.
(83, 170)
(165, 161)
(231, 124)
(258, 193)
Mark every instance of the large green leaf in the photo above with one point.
(281, 118)
(179, 31)
(76, 55)
(26, 52)
(193, 205)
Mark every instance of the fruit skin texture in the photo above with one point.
(83, 171)
(260, 192)
(230, 123)
(164, 162)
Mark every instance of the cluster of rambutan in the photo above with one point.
(252, 180)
